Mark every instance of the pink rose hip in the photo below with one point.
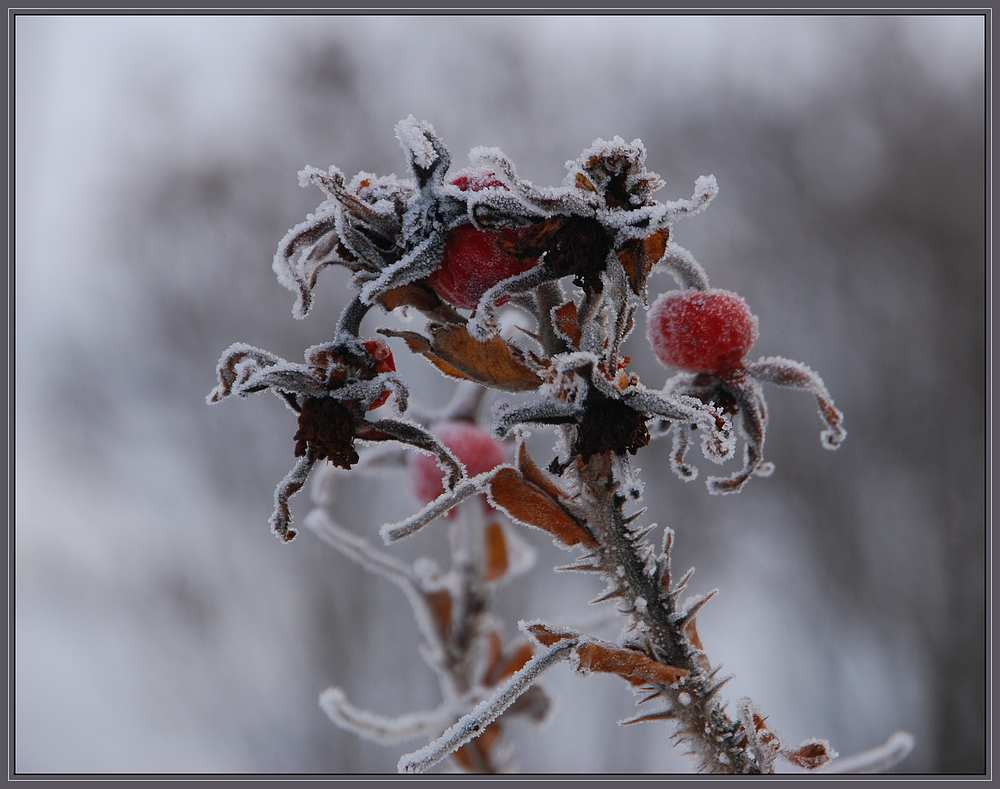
(477, 449)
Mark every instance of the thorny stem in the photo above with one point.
(719, 740)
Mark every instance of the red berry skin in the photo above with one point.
(472, 262)
(477, 449)
(701, 331)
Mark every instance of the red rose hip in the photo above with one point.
(477, 449)
(701, 331)
(473, 262)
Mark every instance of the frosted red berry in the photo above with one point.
(477, 449)
(473, 262)
(701, 331)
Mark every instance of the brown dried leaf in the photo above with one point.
(533, 474)
(547, 636)
(517, 660)
(497, 556)
(492, 362)
(632, 666)
(692, 635)
(811, 754)
(583, 182)
(416, 294)
(421, 296)
(529, 504)
(494, 659)
(417, 343)
(440, 605)
(568, 323)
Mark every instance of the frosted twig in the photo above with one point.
(484, 713)
(469, 487)
(882, 757)
(379, 728)
(380, 563)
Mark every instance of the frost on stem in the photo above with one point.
(476, 722)
(575, 259)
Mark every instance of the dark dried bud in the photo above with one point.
(576, 246)
(609, 425)
(326, 432)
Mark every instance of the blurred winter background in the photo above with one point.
(158, 624)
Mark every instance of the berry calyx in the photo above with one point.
(477, 449)
(473, 261)
(336, 366)
(701, 331)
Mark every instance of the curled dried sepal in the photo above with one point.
(475, 723)
(795, 375)
(685, 269)
(292, 483)
(391, 532)
(357, 226)
(717, 440)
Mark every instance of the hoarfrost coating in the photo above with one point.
(604, 233)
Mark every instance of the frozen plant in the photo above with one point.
(576, 260)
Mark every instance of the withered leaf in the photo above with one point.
(421, 296)
(692, 635)
(494, 659)
(492, 362)
(811, 754)
(416, 294)
(583, 182)
(417, 343)
(529, 504)
(440, 605)
(531, 472)
(517, 660)
(632, 666)
(568, 323)
(547, 636)
(497, 556)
